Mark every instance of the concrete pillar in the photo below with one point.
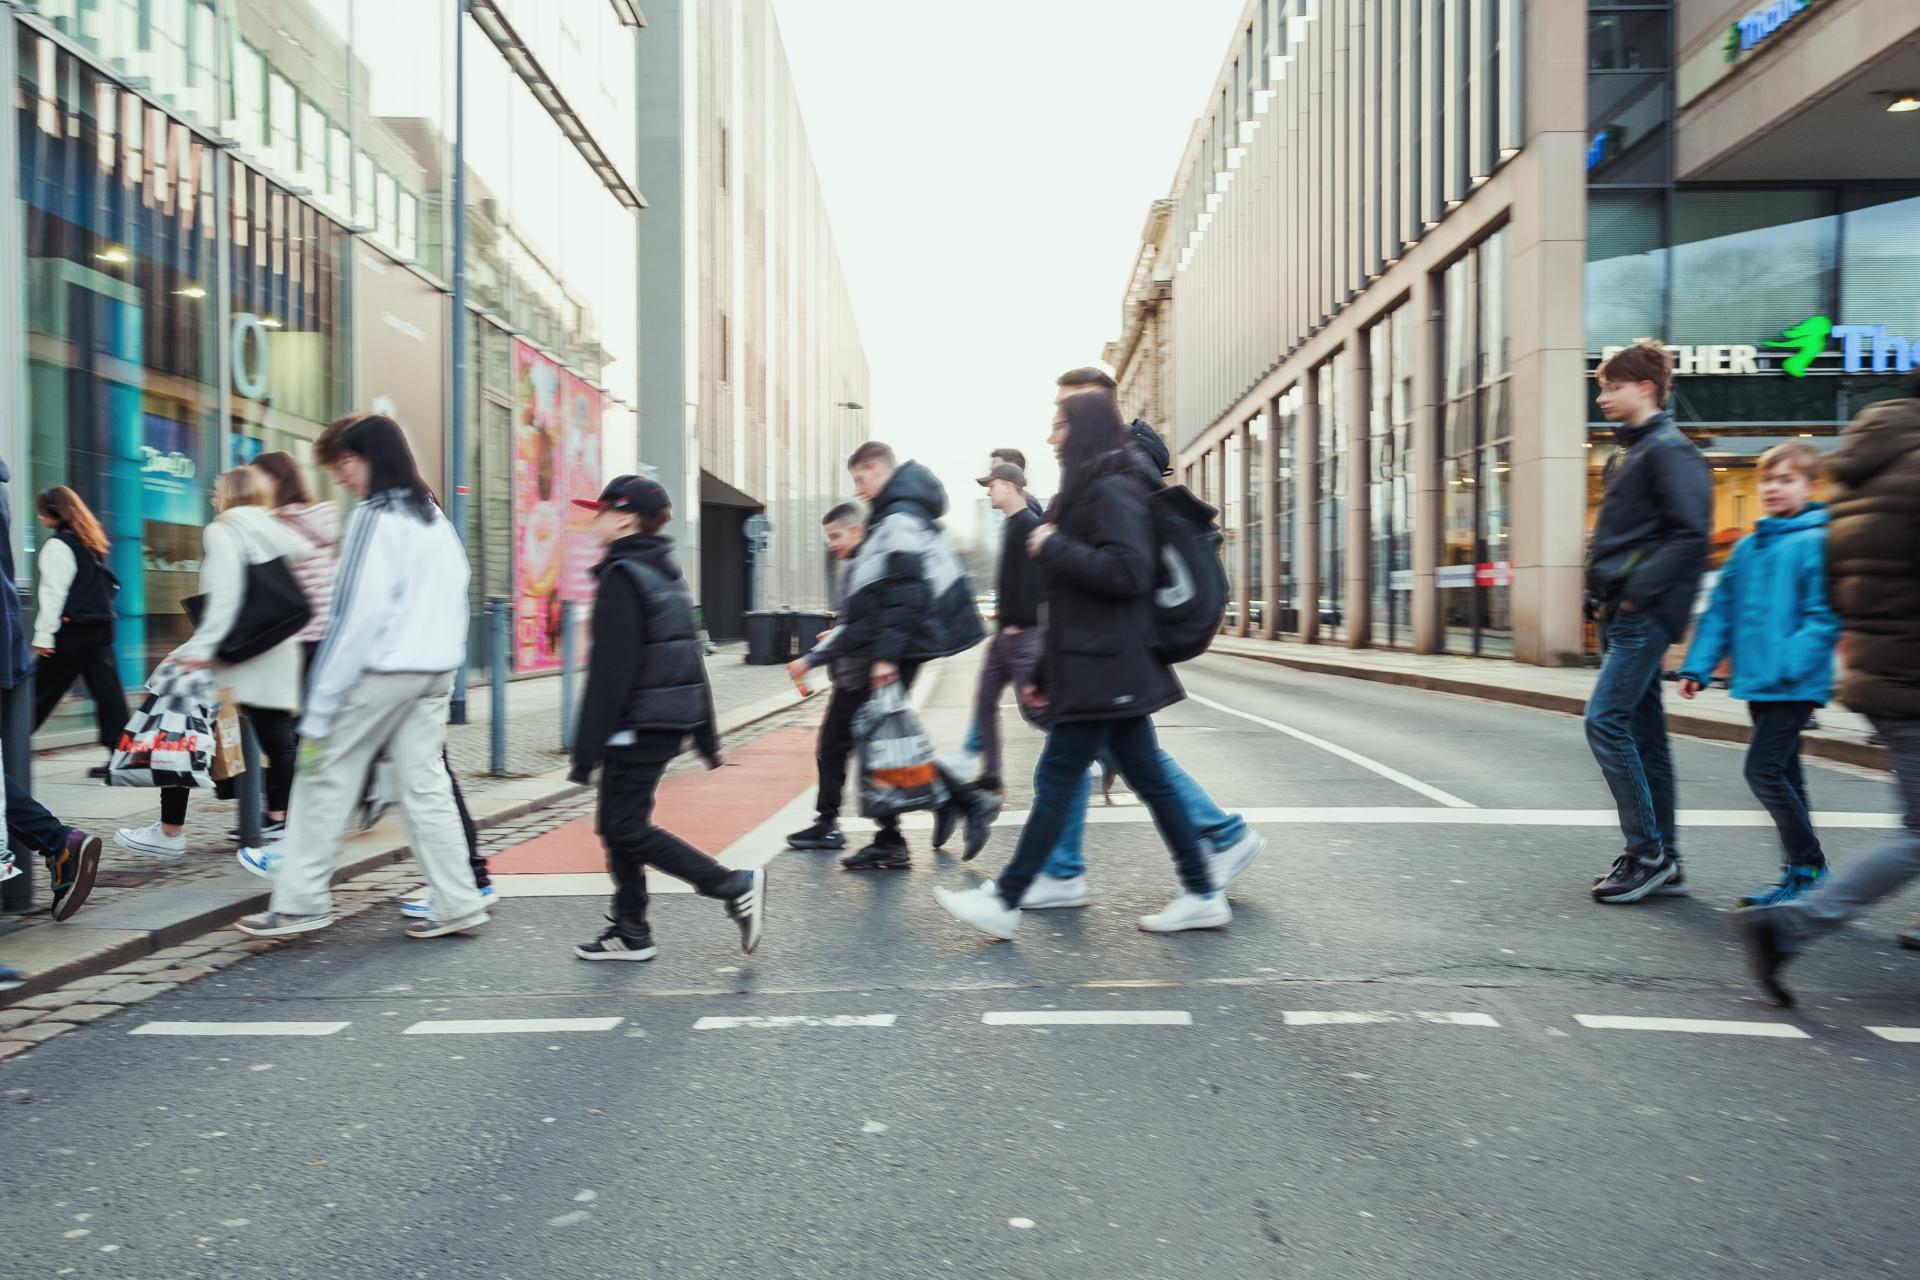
(1242, 568)
(1306, 549)
(1269, 532)
(1359, 522)
(1423, 336)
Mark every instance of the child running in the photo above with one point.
(1769, 614)
(646, 691)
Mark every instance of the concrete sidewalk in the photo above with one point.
(1842, 734)
(139, 905)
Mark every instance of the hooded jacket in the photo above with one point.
(1769, 612)
(1649, 544)
(1873, 558)
(646, 679)
(907, 593)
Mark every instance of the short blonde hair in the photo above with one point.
(242, 487)
(1803, 456)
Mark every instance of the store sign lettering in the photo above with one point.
(1728, 357)
(1864, 349)
(247, 349)
(1748, 32)
(177, 465)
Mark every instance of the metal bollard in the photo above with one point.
(501, 637)
(569, 655)
(16, 746)
(249, 788)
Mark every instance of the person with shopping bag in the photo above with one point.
(245, 639)
(381, 683)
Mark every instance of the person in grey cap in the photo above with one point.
(1015, 645)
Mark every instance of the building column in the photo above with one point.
(1423, 334)
(1242, 569)
(1269, 532)
(1306, 472)
(1360, 495)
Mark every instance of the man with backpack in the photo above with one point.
(908, 602)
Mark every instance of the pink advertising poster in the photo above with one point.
(556, 457)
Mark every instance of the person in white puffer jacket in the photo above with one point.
(267, 687)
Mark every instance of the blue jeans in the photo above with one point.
(1217, 827)
(29, 822)
(1063, 773)
(1627, 730)
(974, 742)
(1777, 781)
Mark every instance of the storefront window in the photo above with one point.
(1390, 432)
(1475, 573)
(1230, 527)
(1626, 278)
(1743, 254)
(1286, 512)
(1256, 535)
(1331, 397)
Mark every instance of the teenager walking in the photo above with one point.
(646, 693)
(267, 687)
(1644, 562)
(319, 523)
(1769, 614)
(1099, 682)
(1873, 578)
(73, 622)
(381, 683)
(846, 529)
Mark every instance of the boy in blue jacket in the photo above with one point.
(1769, 614)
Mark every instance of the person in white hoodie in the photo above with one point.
(267, 687)
(381, 682)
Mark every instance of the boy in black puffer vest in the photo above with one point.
(646, 692)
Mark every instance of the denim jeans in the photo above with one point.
(1777, 781)
(29, 822)
(1214, 825)
(1062, 775)
(1889, 868)
(1627, 730)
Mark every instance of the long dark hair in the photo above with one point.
(380, 441)
(289, 482)
(1096, 445)
(64, 507)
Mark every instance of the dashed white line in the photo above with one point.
(508, 1026)
(1694, 1026)
(778, 1021)
(1388, 772)
(1089, 1018)
(1343, 1017)
(1899, 1035)
(238, 1028)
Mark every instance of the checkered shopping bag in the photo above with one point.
(169, 741)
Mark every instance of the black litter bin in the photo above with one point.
(763, 638)
(784, 635)
(807, 626)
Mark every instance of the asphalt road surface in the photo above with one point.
(1420, 1050)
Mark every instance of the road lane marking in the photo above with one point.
(1696, 1026)
(238, 1028)
(1899, 1035)
(1089, 1018)
(508, 1026)
(1363, 815)
(1342, 1017)
(777, 1021)
(1388, 772)
(560, 884)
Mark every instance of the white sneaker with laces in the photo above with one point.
(1190, 911)
(1225, 865)
(980, 907)
(1049, 892)
(263, 861)
(152, 841)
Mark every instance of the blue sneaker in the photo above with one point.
(1793, 882)
(263, 862)
(419, 908)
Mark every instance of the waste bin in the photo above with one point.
(784, 636)
(763, 638)
(808, 624)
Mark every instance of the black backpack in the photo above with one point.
(1190, 593)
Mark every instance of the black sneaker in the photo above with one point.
(946, 818)
(70, 869)
(615, 945)
(748, 908)
(1769, 949)
(878, 857)
(1631, 880)
(982, 808)
(824, 834)
(1675, 887)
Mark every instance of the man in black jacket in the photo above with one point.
(846, 527)
(646, 692)
(1016, 639)
(1644, 563)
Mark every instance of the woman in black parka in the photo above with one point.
(1098, 682)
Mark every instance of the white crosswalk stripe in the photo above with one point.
(508, 1026)
(1695, 1026)
(1898, 1035)
(1089, 1018)
(238, 1028)
(778, 1021)
(1334, 1017)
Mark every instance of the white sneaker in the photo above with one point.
(1225, 865)
(152, 842)
(1047, 892)
(1190, 911)
(982, 909)
(961, 766)
(263, 862)
(421, 908)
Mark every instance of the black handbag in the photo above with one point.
(273, 610)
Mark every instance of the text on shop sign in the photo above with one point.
(1749, 31)
(1864, 349)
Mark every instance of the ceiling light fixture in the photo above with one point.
(1904, 103)
(115, 254)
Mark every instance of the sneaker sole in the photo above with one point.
(450, 928)
(1187, 928)
(147, 851)
(412, 912)
(878, 866)
(286, 931)
(76, 897)
(817, 846)
(645, 953)
(1057, 906)
(1633, 895)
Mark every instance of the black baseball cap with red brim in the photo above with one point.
(635, 494)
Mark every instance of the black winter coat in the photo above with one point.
(1649, 545)
(646, 675)
(1099, 567)
(1873, 558)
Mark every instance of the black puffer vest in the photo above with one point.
(671, 693)
(90, 598)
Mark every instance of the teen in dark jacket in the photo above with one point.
(73, 625)
(1098, 681)
(646, 692)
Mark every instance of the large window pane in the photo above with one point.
(1630, 41)
(1747, 264)
(1880, 262)
(1626, 267)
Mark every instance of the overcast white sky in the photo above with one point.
(980, 266)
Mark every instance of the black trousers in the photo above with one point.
(82, 651)
(835, 745)
(279, 753)
(633, 843)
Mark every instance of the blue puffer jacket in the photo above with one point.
(1770, 613)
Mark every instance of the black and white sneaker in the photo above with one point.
(1675, 887)
(270, 832)
(749, 908)
(878, 856)
(1632, 879)
(614, 945)
(824, 834)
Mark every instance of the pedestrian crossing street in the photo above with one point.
(1303, 1020)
